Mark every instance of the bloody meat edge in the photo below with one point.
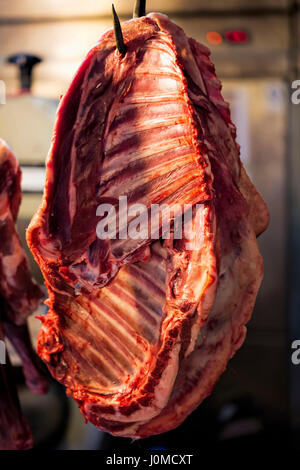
(19, 297)
(139, 330)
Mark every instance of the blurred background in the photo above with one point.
(255, 46)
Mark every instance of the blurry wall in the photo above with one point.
(63, 31)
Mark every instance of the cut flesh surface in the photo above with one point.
(20, 295)
(17, 287)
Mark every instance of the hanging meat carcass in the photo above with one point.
(19, 297)
(140, 328)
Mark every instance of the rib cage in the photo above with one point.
(167, 170)
(127, 322)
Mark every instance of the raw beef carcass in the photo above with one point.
(14, 429)
(19, 297)
(140, 328)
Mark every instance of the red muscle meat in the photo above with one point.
(140, 329)
(19, 297)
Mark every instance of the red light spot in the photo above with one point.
(236, 36)
(214, 37)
